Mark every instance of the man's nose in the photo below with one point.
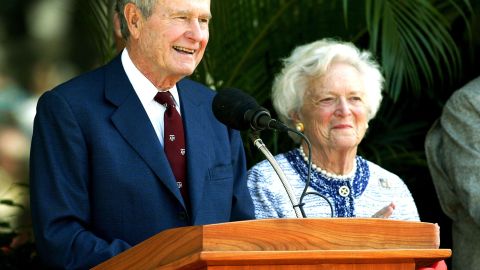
(196, 31)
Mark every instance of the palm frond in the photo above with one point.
(416, 46)
(97, 15)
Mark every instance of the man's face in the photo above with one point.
(172, 41)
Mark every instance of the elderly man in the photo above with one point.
(132, 148)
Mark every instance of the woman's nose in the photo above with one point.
(343, 107)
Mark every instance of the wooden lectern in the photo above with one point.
(312, 243)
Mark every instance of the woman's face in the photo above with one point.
(334, 110)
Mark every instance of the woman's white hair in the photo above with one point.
(311, 61)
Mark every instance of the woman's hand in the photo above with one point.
(385, 212)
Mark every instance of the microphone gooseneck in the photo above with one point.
(297, 207)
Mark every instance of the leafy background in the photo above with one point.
(427, 49)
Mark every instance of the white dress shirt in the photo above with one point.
(146, 92)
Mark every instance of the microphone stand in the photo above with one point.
(298, 208)
(276, 125)
(307, 182)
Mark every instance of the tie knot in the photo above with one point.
(165, 98)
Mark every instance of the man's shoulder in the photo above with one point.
(195, 91)
(468, 91)
(189, 83)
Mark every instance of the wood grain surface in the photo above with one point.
(313, 243)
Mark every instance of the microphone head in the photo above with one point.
(230, 105)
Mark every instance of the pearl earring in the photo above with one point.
(299, 127)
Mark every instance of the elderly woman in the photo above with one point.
(329, 90)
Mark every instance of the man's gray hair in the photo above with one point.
(145, 6)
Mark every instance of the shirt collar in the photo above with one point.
(144, 89)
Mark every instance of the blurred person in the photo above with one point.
(99, 155)
(14, 151)
(11, 95)
(45, 75)
(330, 90)
(14, 197)
(452, 148)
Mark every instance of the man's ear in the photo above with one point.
(134, 19)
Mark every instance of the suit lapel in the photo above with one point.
(194, 118)
(133, 124)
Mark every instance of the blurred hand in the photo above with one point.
(385, 212)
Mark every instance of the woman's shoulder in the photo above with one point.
(264, 171)
(382, 175)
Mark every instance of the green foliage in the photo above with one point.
(93, 20)
(412, 40)
(415, 44)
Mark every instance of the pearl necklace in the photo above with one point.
(329, 174)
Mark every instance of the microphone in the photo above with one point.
(238, 110)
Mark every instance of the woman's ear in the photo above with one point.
(295, 116)
(297, 121)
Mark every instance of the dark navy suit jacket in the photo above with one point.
(100, 180)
